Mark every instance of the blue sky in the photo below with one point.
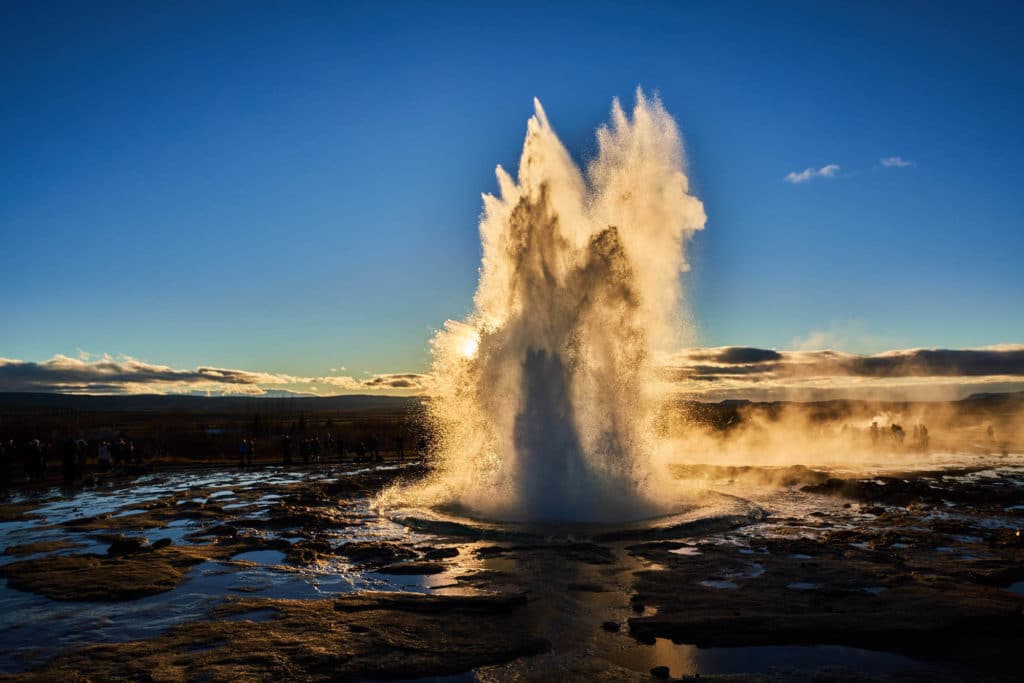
(296, 188)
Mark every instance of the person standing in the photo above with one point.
(286, 450)
(103, 457)
(69, 462)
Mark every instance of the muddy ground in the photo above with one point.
(275, 575)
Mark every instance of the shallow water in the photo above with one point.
(33, 627)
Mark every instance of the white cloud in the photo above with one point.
(827, 171)
(127, 375)
(895, 162)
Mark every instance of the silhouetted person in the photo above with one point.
(103, 457)
(68, 462)
(286, 450)
(924, 438)
(875, 434)
(37, 459)
(6, 463)
(119, 452)
(897, 435)
(81, 458)
(422, 445)
(400, 448)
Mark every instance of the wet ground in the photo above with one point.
(907, 570)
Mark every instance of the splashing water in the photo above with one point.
(543, 396)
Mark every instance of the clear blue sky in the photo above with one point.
(295, 187)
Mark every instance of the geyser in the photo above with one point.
(542, 405)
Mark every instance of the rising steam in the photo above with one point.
(543, 405)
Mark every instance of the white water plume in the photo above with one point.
(542, 407)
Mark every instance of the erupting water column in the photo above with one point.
(543, 397)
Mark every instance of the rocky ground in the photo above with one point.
(848, 578)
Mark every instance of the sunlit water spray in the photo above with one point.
(543, 400)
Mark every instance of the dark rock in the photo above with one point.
(160, 543)
(611, 626)
(126, 545)
(660, 672)
(309, 552)
(440, 553)
(375, 552)
(587, 588)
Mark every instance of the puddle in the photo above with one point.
(33, 628)
(723, 585)
(802, 586)
(264, 557)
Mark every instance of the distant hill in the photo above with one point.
(1007, 396)
(203, 404)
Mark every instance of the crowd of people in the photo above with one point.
(313, 451)
(894, 437)
(79, 460)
